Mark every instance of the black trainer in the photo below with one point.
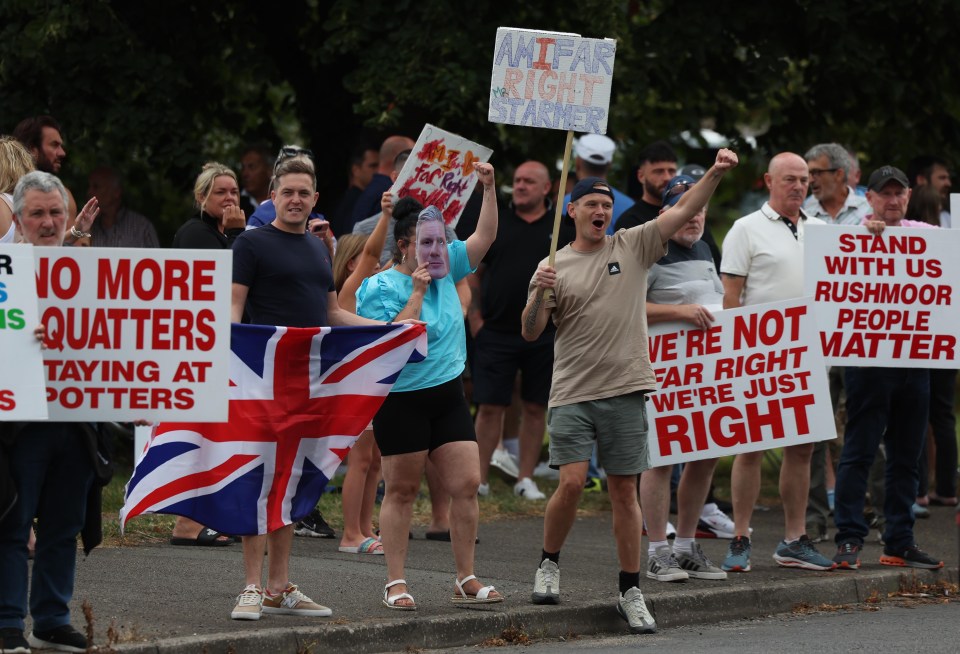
(61, 639)
(910, 557)
(12, 640)
(848, 555)
(314, 526)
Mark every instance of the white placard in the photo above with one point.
(754, 381)
(888, 300)
(439, 172)
(21, 382)
(135, 333)
(555, 80)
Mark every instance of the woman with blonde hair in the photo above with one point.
(15, 162)
(215, 227)
(220, 220)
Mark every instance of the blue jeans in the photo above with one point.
(887, 405)
(53, 473)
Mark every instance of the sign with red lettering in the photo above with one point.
(754, 381)
(887, 300)
(440, 172)
(135, 333)
(555, 80)
(21, 382)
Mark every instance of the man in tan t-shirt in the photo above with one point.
(602, 370)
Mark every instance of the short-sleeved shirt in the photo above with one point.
(130, 230)
(761, 247)
(288, 275)
(640, 213)
(599, 308)
(384, 295)
(853, 211)
(685, 276)
(511, 260)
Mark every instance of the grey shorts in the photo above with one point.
(618, 425)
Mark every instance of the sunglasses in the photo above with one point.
(679, 189)
(290, 151)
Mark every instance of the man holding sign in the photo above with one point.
(884, 405)
(602, 370)
(52, 464)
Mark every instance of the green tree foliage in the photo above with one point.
(156, 88)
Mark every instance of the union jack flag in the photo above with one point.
(299, 399)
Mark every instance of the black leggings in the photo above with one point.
(423, 420)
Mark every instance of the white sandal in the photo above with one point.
(391, 601)
(482, 596)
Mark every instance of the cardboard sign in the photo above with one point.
(440, 172)
(888, 300)
(135, 333)
(21, 379)
(551, 79)
(754, 381)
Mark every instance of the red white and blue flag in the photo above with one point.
(299, 399)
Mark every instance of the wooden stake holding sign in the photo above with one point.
(555, 80)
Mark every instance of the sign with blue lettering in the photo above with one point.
(22, 388)
(555, 80)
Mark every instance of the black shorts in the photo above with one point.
(498, 357)
(423, 420)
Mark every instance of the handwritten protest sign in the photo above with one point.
(440, 171)
(888, 300)
(754, 381)
(135, 333)
(551, 79)
(21, 379)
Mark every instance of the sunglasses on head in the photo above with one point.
(680, 188)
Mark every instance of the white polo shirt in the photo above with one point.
(761, 247)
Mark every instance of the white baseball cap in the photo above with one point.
(595, 148)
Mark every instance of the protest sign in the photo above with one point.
(21, 382)
(887, 300)
(135, 333)
(555, 80)
(440, 172)
(754, 381)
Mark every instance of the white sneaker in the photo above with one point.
(504, 462)
(527, 489)
(633, 609)
(671, 530)
(483, 490)
(546, 584)
(714, 523)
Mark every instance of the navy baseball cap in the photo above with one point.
(589, 185)
(675, 188)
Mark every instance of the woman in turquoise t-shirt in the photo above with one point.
(426, 414)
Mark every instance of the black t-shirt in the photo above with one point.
(641, 212)
(288, 275)
(511, 262)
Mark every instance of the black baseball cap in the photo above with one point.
(880, 177)
(589, 185)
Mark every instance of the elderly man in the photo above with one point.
(763, 262)
(54, 471)
(602, 370)
(889, 406)
(831, 198)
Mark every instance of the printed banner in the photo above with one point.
(888, 300)
(135, 333)
(754, 381)
(551, 79)
(21, 382)
(440, 172)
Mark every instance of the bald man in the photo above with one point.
(763, 262)
(499, 295)
(368, 204)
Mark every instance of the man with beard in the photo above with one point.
(763, 262)
(42, 136)
(831, 198)
(658, 165)
(928, 169)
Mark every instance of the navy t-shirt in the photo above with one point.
(289, 277)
